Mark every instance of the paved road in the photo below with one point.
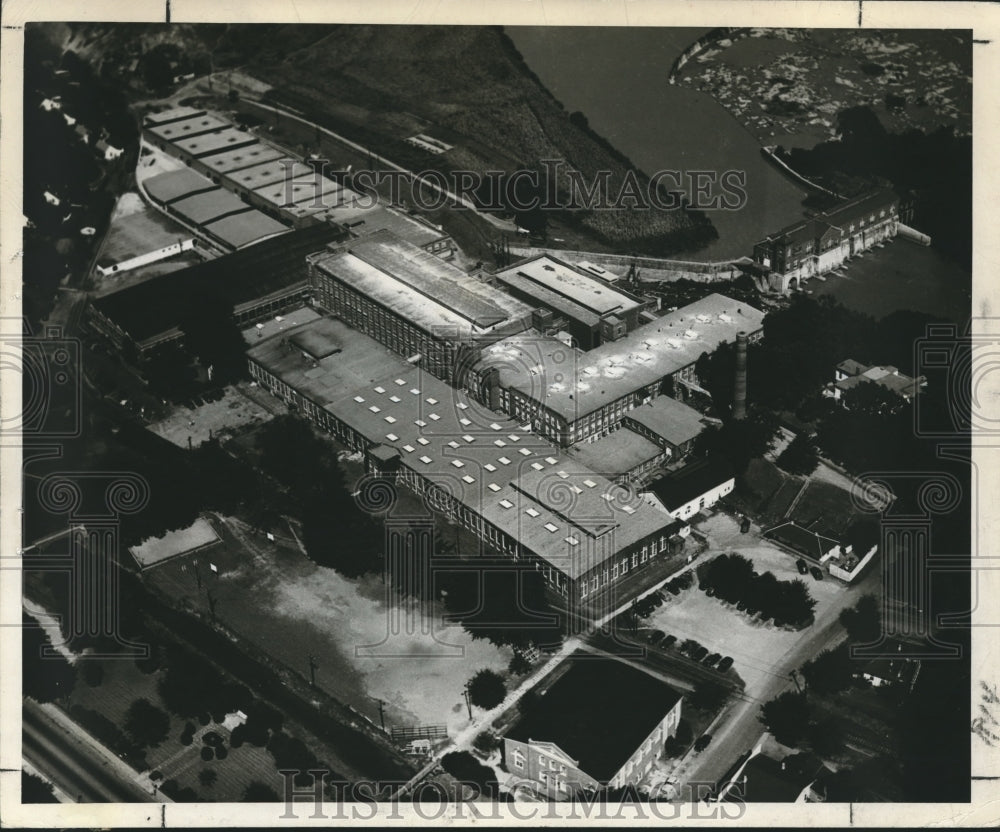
(738, 728)
(73, 764)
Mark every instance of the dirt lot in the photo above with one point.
(368, 645)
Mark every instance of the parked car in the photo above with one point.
(725, 664)
(802, 566)
(817, 573)
(669, 641)
(673, 589)
(657, 599)
(655, 637)
(700, 653)
(744, 525)
(712, 659)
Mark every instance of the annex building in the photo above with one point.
(516, 491)
(572, 300)
(422, 307)
(828, 240)
(602, 723)
(571, 396)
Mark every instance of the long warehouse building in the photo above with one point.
(516, 491)
(571, 396)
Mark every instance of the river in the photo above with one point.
(617, 77)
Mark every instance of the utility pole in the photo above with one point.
(313, 667)
(212, 601)
(381, 713)
(795, 678)
(468, 704)
(197, 572)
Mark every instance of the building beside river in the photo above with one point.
(827, 241)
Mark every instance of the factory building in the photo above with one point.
(423, 308)
(828, 240)
(592, 311)
(514, 490)
(572, 396)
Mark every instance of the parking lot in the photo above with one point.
(757, 649)
(201, 420)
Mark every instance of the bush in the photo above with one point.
(187, 735)
(703, 742)
(518, 665)
(207, 753)
(221, 753)
(487, 742)
(146, 724)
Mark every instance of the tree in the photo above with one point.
(257, 792)
(863, 622)
(787, 717)
(739, 441)
(145, 724)
(708, 696)
(800, 456)
(487, 689)
(702, 742)
(467, 769)
(830, 671)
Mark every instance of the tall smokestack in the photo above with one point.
(740, 386)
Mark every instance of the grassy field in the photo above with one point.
(828, 504)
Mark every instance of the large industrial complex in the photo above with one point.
(516, 491)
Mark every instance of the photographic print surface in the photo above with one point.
(496, 421)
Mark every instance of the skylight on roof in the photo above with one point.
(453, 444)
(489, 466)
(359, 399)
(562, 475)
(525, 452)
(415, 391)
(458, 463)
(499, 443)
(423, 441)
(572, 541)
(537, 466)
(469, 479)
(391, 437)
(433, 416)
(493, 486)
(391, 419)
(408, 448)
(462, 406)
(400, 382)
(468, 438)
(532, 512)
(628, 509)
(375, 408)
(504, 461)
(420, 423)
(506, 504)
(379, 389)
(431, 400)
(426, 460)
(589, 483)
(551, 460)
(494, 425)
(552, 527)
(395, 399)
